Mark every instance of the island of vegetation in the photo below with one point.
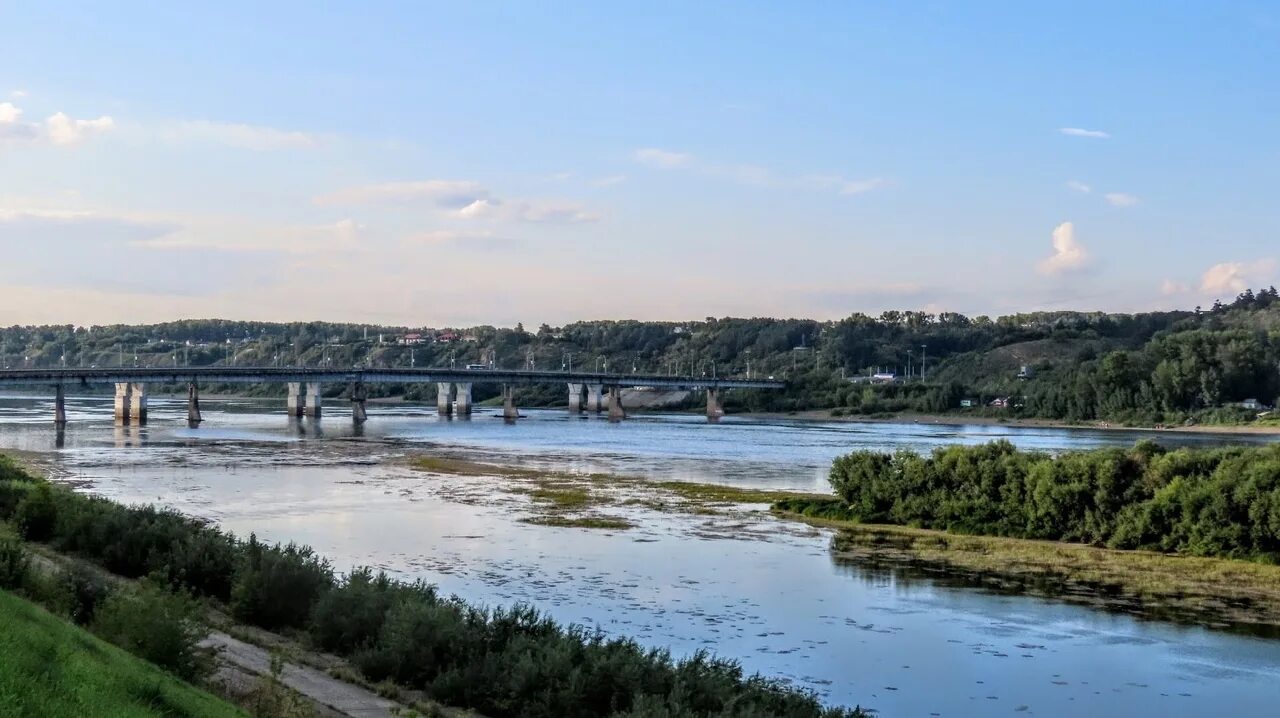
(1196, 525)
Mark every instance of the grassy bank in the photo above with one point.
(49, 667)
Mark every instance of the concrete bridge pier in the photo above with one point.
(359, 394)
(122, 402)
(595, 397)
(714, 410)
(138, 403)
(59, 407)
(297, 400)
(444, 398)
(575, 398)
(193, 404)
(616, 412)
(463, 400)
(312, 406)
(131, 403)
(509, 410)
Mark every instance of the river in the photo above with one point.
(764, 591)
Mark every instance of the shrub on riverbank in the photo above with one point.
(1206, 502)
(501, 662)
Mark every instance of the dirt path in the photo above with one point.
(345, 699)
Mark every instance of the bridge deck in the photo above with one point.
(73, 376)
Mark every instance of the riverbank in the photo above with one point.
(982, 420)
(1223, 594)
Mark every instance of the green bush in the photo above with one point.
(1206, 502)
(85, 592)
(350, 617)
(278, 586)
(36, 513)
(158, 626)
(14, 563)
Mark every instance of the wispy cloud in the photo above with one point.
(1068, 254)
(478, 241)
(1079, 132)
(1079, 186)
(18, 94)
(1171, 288)
(460, 199)
(452, 194)
(610, 181)
(755, 175)
(1120, 199)
(240, 135)
(662, 159)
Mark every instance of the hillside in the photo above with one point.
(49, 667)
(1150, 367)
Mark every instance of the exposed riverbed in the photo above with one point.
(742, 583)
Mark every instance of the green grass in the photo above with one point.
(580, 522)
(49, 667)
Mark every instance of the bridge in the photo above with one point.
(602, 390)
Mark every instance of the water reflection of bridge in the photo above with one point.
(602, 390)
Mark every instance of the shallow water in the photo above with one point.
(764, 591)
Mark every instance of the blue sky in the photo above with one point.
(453, 164)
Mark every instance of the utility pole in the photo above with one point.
(924, 355)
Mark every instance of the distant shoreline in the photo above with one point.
(962, 420)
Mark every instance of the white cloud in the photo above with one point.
(1235, 277)
(662, 159)
(63, 130)
(1120, 199)
(460, 200)
(1170, 288)
(455, 194)
(480, 209)
(239, 135)
(1078, 132)
(862, 186)
(610, 181)
(1068, 254)
(18, 94)
(1079, 186)
(9, 114)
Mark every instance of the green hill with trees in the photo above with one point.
(1155, 367)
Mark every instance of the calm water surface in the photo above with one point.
(763, 591)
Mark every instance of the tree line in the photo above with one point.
(1152, 367)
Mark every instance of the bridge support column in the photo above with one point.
(463, 391)
(193, 405)
(138, 403)
(297, 401)
(312, 406)
(575, 398)
(59, 407)
(616, 412)
(594, 397)
(358, 397)
(444, 398)
(122, 402)
(714, 410)
(509, 410)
